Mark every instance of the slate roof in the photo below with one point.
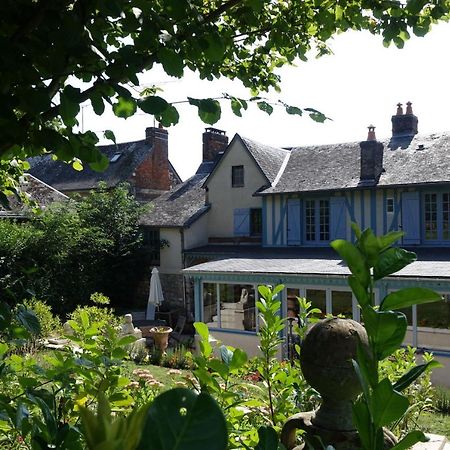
(62, 176)
(421, 159)
(181, 206)
(269, 159)
(38, 191)
(431, 263)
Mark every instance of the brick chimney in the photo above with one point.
(404, 124)
(371, 159)
(214, 142)
(153, 172)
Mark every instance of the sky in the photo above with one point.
(359, 85)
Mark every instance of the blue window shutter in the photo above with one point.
(242, 222)
(293, 221)
(338, 218)
(411, 217)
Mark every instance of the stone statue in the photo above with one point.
(128, 329)
(325, 358)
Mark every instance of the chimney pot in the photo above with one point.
(371, 134)
(399, 109)
(409, 108)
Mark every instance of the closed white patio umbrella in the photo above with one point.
(155, 296)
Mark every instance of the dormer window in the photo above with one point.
(114, 158)
(237, 176)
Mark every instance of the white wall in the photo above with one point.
(197, 234)
(224, 198)
(171, 257)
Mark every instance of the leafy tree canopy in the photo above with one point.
(55, 55)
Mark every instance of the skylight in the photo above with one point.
(115, 157)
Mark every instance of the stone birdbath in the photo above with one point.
(325, 358)
(160, 335)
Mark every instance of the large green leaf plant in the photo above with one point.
(370, 259)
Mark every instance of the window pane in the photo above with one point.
(210, 305)
(342, 304)
(434, 315)
(237, 307)
(318, 300)
(390, 205)
(237, 176)
(445, 216)
(292, 302)
(324, 220)
(430, 216)
(256, 222)
(310, 220)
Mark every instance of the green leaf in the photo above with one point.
(125, 107)
(203, 331)
(386, 329)
(108, 134)
(237, 104)
(264, 106)
(387, 404)
(226, 354)
(354, 260)
(126, 340)
(359, 291)
(294, 110)
(77, 165)
(172, 62)
(216, 48)
(388, 239)
(84, 319)
(317, 116)
(368, 244)
(3, 348)
(69, 106)
(414, 373)
(168, 117)
(181, 420)
(404, 298)
(392, 260)
(153, 105)
(28, 320)
(367, 365)
(220, 367)
(410, 439)
(239, 359)
(268, 439)
(209, 109)
(97, 103)
(361, 419)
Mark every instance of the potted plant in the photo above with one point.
(160, 335)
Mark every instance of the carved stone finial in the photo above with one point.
(409, 108)
(371, 134)
(399, 109)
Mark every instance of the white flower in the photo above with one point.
(14, 163)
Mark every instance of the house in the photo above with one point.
(143, 164)
(177, 222)
(273, 212)
(38, 192)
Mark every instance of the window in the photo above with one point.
(317, 220)
(256, 222)
(229, 306)
(237, 176)
(114, 158)
(437, 216)
(152, 242)
(389, 205)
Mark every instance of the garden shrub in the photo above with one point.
(50, 324)
(98, 313)
(73, 249)
(177, 358)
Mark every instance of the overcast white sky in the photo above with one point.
(357, 86)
